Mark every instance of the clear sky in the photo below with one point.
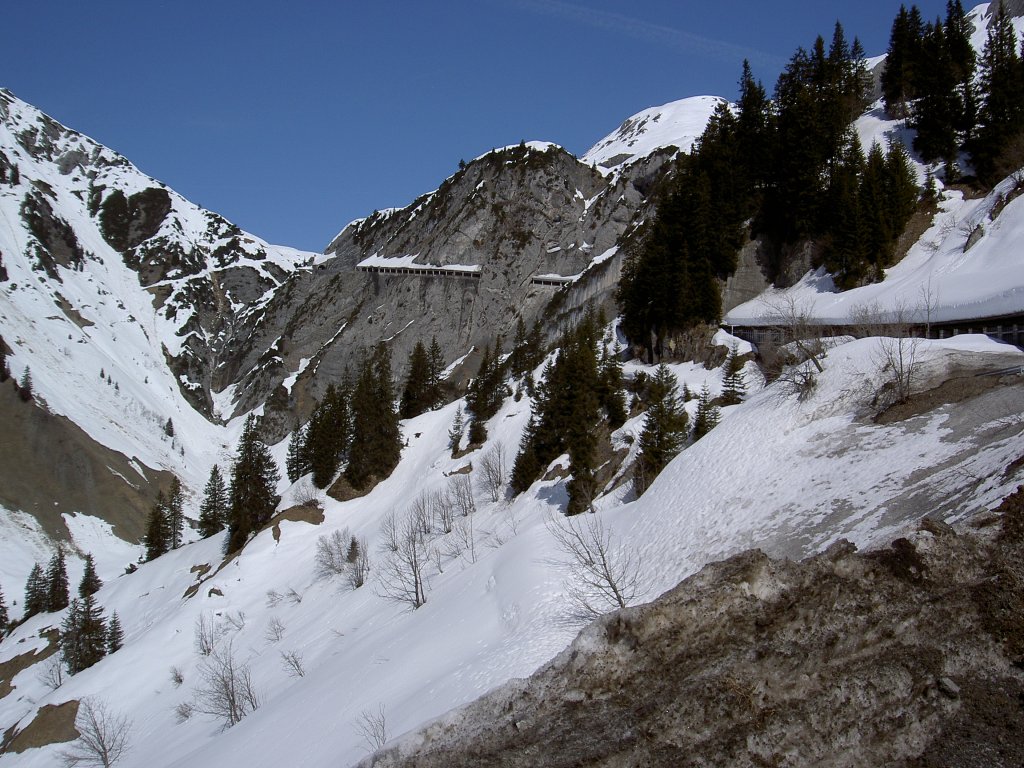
(292, 118)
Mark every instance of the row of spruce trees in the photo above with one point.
(778, 169)
(956, 101)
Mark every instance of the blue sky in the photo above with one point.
(293, 118)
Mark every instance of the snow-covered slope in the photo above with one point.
(788, 476)
(676, 124)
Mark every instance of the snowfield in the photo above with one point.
(790, 477)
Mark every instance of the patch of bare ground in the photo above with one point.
(10, 668)
(955, 389)
(908, 656)
(305, 513)
(53, 724)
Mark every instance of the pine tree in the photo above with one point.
(902, 62)
(376, 437)
(213, 511)
(90, 583)
(353, 550)
(664, 431)
(455, 433)
(169, 428)
(733, 384)
(417, 395)
(609, 392)
(706, 417)
(175, 514)
(57, 582)
(327, 435)
(296, 461)
(5, 369)
(35, 592)
(995, 148)
(25, 385)
(115, 635)
(4, 619)
(252, 497)
(83, 635)
(158, 528)
(435, 366)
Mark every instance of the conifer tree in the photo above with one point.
(902, 61)
(733, 384)
(376, 437)
(706, 417)
(252, 497)
(158, 528)
(327, 435)
(418, 394)
(353, 550)
(435, 366)
(35, 591)
(609, 390)
(175, 514)
(664, 431)
(5, 369)
(296, 461)
(90, 583)
(455, 433)
(213, 510)
(83, 635)
(1001, 115)
(115, 634)
(57, 582)
(25, 385)
(4, 619)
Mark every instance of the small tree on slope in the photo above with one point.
(252, 496)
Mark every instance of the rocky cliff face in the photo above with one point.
(498, 231)
(909, 656)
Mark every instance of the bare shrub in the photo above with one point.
(227, 691)
(796, 326)
(235, 620)
(494, 468)
(177, 677)
(373, 727)
(359, 567)
(332, 554)
(896, 356)
(205, 635)
(273, 598)
(183, 712)
(422, 514)
(444, 510)
(402, 574)
(103, 735)
(389, 532)
(292, 663)
(462, 540)
(52, 673)
(275, 630)
(460, 489)
(603, 575)
(306, 494)
(292, 596)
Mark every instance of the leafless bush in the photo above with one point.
(206, 632)
(235, 620)
(273, 598)
(460, 489)
(462, 539)
(402, 574)
(389, 532)
(306, 494)
(177, 677)
(373, 727)
(493, 467)
(444, 510)
(292, 596)
(103, 735)
(422, 514)
(796, 326)
(275, 630)
(332, 554)
(52, 673)
(292, 663)
(227, 691)
(183, 712)
(359, 567)
(896, 356)
(603, 575)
